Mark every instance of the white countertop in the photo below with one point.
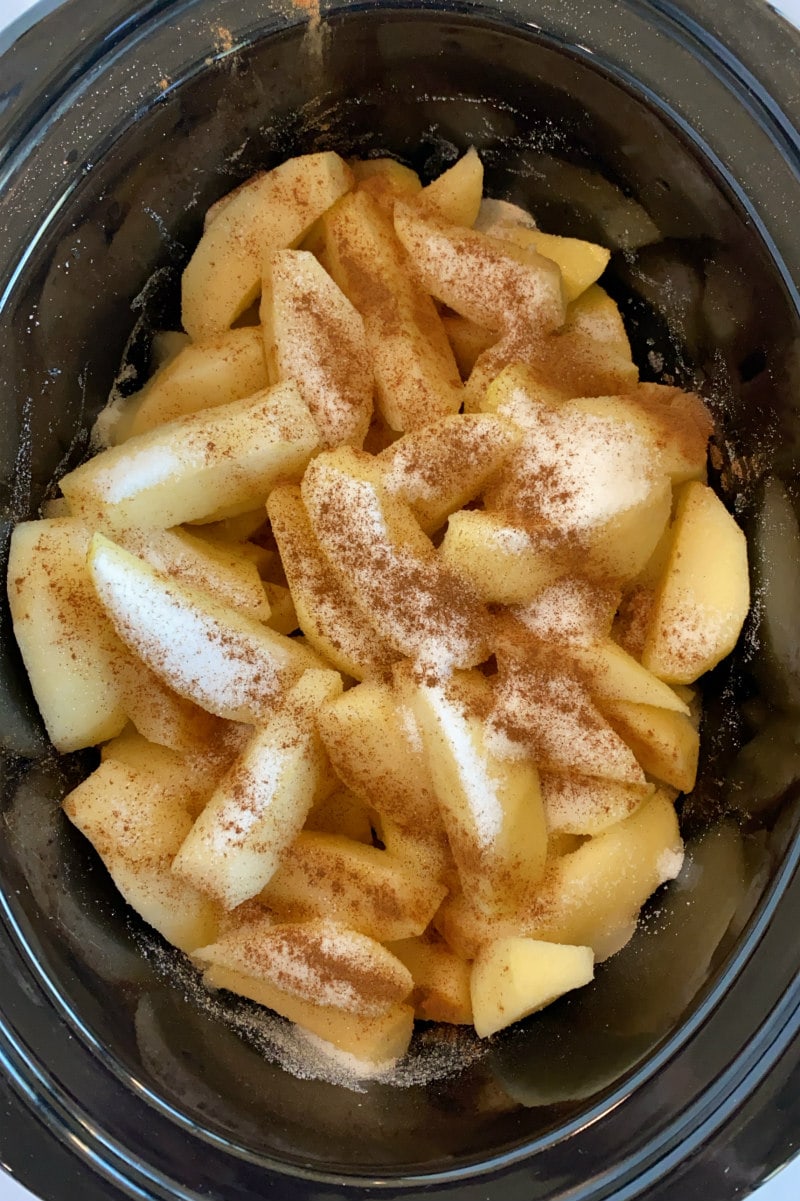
(15, 16)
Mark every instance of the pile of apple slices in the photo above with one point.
(384, 603)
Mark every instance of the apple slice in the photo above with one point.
(613, 674)
(416, 602)
(315, 337)
(136, 826)
(201, 467)
(254, 814)
(416, 376)
(375, 747)
(225, 662)
(573, 612)
(576, 804)
(69, 646)
(543, 708)
(666, 743)
(492, 282)
(330, 613)
(499, 560)
(442, 466)
(456, 194)
(200, 563)
(441, 980)
(468, 340)
(320, 962)
(229, 366)
(491, 807)
(365, 888)
(273, 209)
(514, 977)
(376, 1041)
(704, 594)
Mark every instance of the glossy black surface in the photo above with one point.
(622, 121)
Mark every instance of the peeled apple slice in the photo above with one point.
(514, 977)
(704, 594)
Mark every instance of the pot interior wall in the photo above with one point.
(704, 305)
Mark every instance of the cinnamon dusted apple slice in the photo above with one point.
(384, 180)
(273, 209)
(491, 806)
(377, 1041)
(320, 962)
(202, 467)
(331, 615)
(499, 560)
(213, 655)
(581, 263)
(191, 775)
(588, 897)
(314, 336)
(213, 567)
(573, 611)
(455, 195)
(441, 979)
(676, 423)
(136, 825)
(203, 375)
(589, 355)
(69, 646)
(489, 281)
(613, 674)
(577, 804)
(439, 468)
(704, 594)
(365, 888)
(514, 977)
(416, 376)
(235, 846)
(546, 709)
(417, 604)
(666, 743)
(588, 479)
(468, 340)
(376, 748)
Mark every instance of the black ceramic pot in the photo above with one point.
(668, 131)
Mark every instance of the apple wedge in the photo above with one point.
(577, 804)
(439, 468)
(456, 194)
(136, 826)
(376, 749)
(500, 561)
(417, 604)
(441, 980)
(330, 613)
(492, 282)
(69, 646)
(198, 468)
(514, 977)
(375, 1041)
(212, 567)
(213, 655)
(365, 888)
(542, 707)
(665, 742)
(314, 336)
(254, 814)
(274, 209)
(704, 594)
(320, 962)
(491, 807)
(229, 366)
(416, 376)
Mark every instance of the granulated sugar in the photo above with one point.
(436, 1051)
